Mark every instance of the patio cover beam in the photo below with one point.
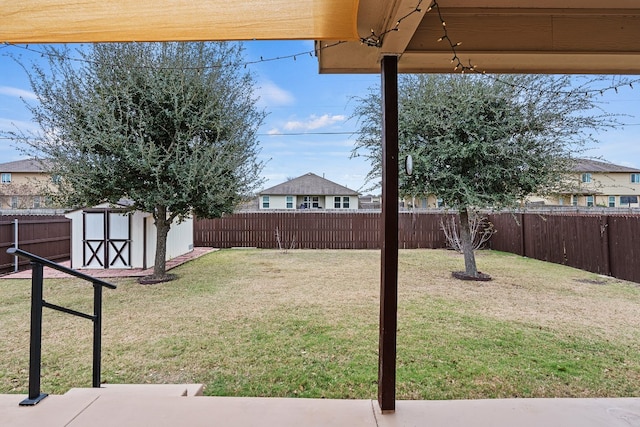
(72, 21)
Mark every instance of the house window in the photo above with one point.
(635, 178)
(311, 202)
(345, 202)
(336, 202)
(6, 178)
(612, 201)
(424, 203)
(289, 202)
(589, 200)
(560, 200)
(586, 177)
(265, 202)
(14, 202)
(628, 200)
(36, 202)
(574, 200)
(439, 203)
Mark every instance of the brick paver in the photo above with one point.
(114, 272)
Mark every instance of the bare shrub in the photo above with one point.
(282, 245)
(480, 227)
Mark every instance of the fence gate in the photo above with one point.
(106, 239)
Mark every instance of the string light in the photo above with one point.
(375, 40)
(458, 65)
(455, 59)
(293, 56)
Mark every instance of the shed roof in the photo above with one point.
(309, 184)
(595, 166)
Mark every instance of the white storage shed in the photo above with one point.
(107, 236)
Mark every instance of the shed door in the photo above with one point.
(118, 240)
(106, 242)
(94, 238)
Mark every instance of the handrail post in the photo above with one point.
(35, 344)
(38, 303)
(97, 332)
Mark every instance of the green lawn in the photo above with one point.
(305, 323)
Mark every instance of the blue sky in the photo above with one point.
(308, 127)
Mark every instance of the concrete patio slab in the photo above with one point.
(151, 390)
(111, 411)
(514, 413)
(167, 405)
(52, 411)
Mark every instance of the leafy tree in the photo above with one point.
(170, 126)
(483, 142)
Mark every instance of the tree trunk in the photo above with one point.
(162, 230)
(467, 245)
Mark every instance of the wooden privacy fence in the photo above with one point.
(604, 244)
(49, 236)
(316, 230)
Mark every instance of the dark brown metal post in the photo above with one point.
(389, 268)
(523, 244)
(35, 340)
(97, 333)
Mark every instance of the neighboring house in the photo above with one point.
(24, 185)
(592, 183)
(370, 202)
(308, 191)
(420, 202)
(597, 183)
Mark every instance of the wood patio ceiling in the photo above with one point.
(497, 36)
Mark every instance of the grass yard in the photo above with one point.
(264, 323)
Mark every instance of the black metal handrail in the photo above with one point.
(38, 302)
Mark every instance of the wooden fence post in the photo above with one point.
(523, 244)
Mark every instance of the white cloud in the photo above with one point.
(315, 122)
(274, 131)
(13, 91)
(17, 125)
(272, 95)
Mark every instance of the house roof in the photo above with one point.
(25, 166)
(595, 166)
(309, 185)
(498, 36)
